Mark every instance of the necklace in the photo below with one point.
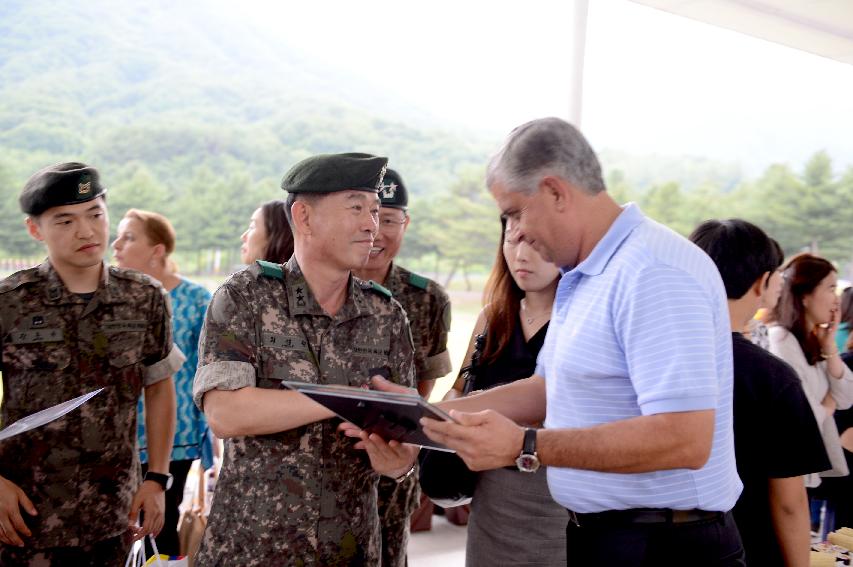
(530, 318)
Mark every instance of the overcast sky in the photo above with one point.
(654, 82)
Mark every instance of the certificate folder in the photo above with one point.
(388, 414)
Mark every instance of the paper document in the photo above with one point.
(46, 415)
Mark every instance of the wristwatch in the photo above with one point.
(164, 480)
(406, 474)
(528, 461)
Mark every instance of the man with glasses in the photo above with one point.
(428, 308)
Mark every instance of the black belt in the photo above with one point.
(643, 516)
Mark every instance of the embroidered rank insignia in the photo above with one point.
(388, 191)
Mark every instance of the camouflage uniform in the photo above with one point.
(303, 496)
(82, 470)
(428, 308)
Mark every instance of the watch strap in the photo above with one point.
(529, 445)
(159, 478)
(406, 474)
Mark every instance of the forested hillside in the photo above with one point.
(190, 111)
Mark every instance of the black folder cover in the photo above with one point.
(390, 415)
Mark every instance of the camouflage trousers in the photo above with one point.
(397, 503)
(105, 553)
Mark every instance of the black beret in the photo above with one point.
(393, 192)
(329, 173)
(61, 184)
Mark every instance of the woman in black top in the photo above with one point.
(514, 520)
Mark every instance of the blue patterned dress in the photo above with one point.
(189, 303)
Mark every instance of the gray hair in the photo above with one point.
(547, 146)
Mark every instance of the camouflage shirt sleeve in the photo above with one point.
(228, 346)
(402, 352)
(437, 363)
(161, 357)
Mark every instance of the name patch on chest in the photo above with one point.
(378, 349)
(286, 342)
(36, 336)
(133, 326)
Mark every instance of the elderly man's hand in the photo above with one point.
(485, 440)
(390, 459)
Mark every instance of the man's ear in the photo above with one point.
(33, 229)
(760, 286)
(300, 212)
(557, 191)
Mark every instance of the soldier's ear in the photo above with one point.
(33, 228)
(302, 218)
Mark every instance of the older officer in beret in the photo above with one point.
(293, 491)
(70, 493)
(428, 308)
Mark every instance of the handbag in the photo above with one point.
(136, 557)
(444, 476)
(194, 519)
(190, 532)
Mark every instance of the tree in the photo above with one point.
(467, 230)
(807, 212)
(15, 239)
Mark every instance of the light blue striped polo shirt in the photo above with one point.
(641, 327)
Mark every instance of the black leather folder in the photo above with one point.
(389, 415)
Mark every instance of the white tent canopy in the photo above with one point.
(822, 27)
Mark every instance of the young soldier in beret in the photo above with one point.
(428, 309)
(70, 489)
(292, 490)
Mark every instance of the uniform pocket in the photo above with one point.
(124, 347)
(277, 363)
(42, 349)
(35, 373)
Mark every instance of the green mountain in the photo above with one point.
(184, 86)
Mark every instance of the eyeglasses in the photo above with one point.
(388, 224)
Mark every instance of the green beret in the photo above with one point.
(61, 184)
(329, 173)
(393, 192)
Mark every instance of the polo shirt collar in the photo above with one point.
(594, 264)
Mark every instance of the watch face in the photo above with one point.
(527, 463)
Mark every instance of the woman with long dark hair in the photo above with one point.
(803, 335)
(513, 518)
(269, 236)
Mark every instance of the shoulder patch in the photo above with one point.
(382, 290)
(271, 269)
(418, 281)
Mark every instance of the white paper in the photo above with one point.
(46, 415)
